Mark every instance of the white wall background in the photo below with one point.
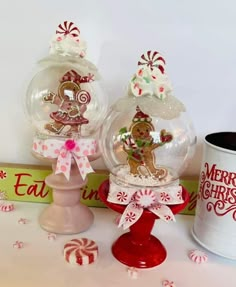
(197, 38)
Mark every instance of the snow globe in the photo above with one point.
(66, 106)
(147, 141)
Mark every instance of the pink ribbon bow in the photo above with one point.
(155, 201)
(65, 151)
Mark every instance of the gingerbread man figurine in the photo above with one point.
(139, 144)
(71, 102)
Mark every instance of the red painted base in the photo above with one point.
(147, 255)
(138, 248)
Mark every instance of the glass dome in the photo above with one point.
(147, 137)
(64, 98)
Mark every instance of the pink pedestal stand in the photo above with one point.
(66, 215)
(138, 248)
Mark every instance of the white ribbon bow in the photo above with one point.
(65, 151)
(138, 200)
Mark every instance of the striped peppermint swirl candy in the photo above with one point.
(6, 207)
(52, 236)
(168, 283)
(68, 28)
(198, 256)
(83, 97)
(153, 60)
(23, 221)
(81, 251)
(18, 244)
(145, 198)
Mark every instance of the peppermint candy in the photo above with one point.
(23, 221)
(168, 283)
(52, 236)
(145, 198)
(6, 207)
(153, 60)
(18, 244)
(81, 251)
(68, 28)
(198, 256)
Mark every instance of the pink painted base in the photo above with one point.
(66, 215)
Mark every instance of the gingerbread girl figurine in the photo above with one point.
(139, 145)
(71, 102)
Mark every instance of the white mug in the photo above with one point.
(215, 217)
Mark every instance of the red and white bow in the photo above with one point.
(65, 151)
(155, 201)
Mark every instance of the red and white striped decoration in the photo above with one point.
(145, 198)
(198, 256)
(6, 207)
(68, 28)
(81, 251)
(73, 76)
(18, 244)
(83, 97)
(23, 221)
(52, 236)
(168, 283)
(153, 60)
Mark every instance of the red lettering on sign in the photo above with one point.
(36, 189)
(92, 194)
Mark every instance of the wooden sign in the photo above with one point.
(27, 183)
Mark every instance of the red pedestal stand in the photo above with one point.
(138, 248)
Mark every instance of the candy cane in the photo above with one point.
(68, 28)
(153, 60)
(137, 90)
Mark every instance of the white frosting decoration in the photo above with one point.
(151, 90)
(150, 82)
(67, 45)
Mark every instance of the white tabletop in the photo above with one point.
(41, 262)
